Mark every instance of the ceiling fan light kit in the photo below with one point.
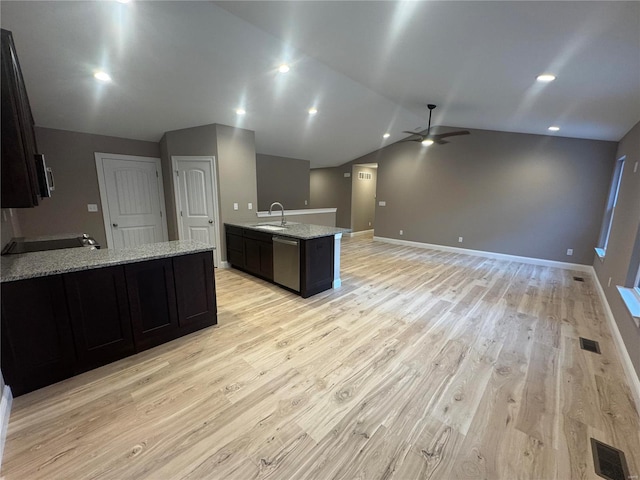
(425, 137)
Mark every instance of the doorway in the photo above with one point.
(196, 194)
(132, 199)
(363, 197)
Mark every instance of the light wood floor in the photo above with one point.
(424, 365)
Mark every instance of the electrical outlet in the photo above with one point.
(250, 206)
(306, 203)
(92, 207)
(459, 239)
(609, 282)
(235, 206)
(569, 251)
(369, 223)
(401, 232)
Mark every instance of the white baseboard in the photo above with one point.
(499, 256)
(362, 232)
(623, 353)
(5, 412)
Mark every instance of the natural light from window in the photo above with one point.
(607, 222)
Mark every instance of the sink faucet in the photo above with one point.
(281, 210)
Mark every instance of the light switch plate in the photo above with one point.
(347, 175)
(250, 206)
(382, 203)
(235, 206)
(92, 207)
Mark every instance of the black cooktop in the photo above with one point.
(25, 246)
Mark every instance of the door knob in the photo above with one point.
(210, 221)
(115, 224)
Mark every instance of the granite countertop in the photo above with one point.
(53, 262)
(304, 231)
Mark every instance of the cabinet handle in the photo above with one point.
(115, 224)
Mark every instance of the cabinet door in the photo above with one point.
(19, 178)
(195, 291)
(266, 260)
(316, 265)
(37, 344)
(235, 250)
(100, 318)
(252, 255)
(152, 302)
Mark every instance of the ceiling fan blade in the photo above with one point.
(438, 141)
(452, 134)
(420, 134)
(410, 140)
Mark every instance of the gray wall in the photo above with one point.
(330, 189)
(71, 155)
(518, 194)
(234, 149)
(284, 180)
(623, 235)
(363, 199)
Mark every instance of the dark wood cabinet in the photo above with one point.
(250, 250)
(152, 302)
(56, 326)
(19, 176)
(316, 265)
(100, 319)
(37, 342)
(195, 291)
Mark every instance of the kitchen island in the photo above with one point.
(259, 249)
(70, 310)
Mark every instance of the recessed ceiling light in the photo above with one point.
(240, 111)
(284, 68)
(546, 78)
(427, 142)
(554, 128)
(386, 135)
(102, 76)
(313, 111)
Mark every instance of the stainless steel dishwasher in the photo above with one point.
(286, 262)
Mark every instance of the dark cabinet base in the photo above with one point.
(57, 326)
(252, 252)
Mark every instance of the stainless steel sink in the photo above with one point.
(271, 228)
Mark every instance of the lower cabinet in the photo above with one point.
(37, 342)
(56, 326)
(99, 312)
(316, 265)
(152, 302)
(195, 292)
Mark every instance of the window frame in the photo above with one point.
(609, 213)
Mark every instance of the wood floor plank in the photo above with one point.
(425, 365)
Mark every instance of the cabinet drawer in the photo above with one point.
(233, 229)
(260, 236)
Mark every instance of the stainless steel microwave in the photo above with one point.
(46, 183)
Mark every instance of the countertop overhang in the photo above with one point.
(53, 262)
(303, 231)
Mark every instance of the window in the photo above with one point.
(630, 292)
(601, 250)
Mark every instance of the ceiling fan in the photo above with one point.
(426, 138)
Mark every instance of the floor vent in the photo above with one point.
(609, 462)
(589, 345)
(579, 279)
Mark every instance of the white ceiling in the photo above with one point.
(369, 67)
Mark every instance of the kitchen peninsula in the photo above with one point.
(301, 257)
(71, 310)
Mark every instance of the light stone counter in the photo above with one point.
(303, 231)
(53, 262)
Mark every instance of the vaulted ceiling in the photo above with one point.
(368, 68)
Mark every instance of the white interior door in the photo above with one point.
(132, 199)
(196, 200)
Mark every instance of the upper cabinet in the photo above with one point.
(20, 183)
